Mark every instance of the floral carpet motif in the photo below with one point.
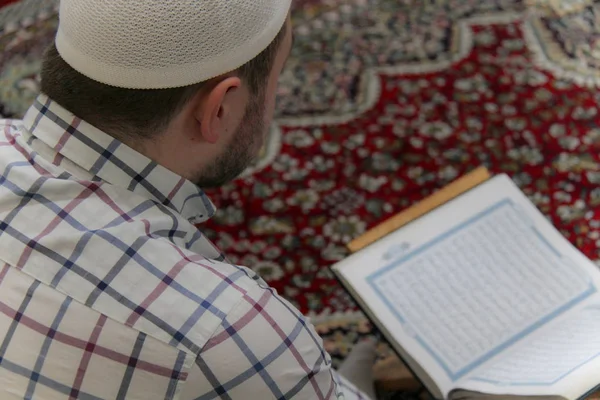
(331, 181)
(382, 103)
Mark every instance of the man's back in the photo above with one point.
(107, 289)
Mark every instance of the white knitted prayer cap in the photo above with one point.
(155, 44)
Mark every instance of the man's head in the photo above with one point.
(207, 130)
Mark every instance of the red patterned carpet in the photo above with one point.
(383, 102)
(332, 180)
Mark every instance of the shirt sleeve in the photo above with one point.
(349, 391)
(266, 349)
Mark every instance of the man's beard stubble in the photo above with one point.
(241, 152)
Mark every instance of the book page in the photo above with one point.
(479, 288)
(470, 280)
(569, 347)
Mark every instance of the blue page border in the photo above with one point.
(452, 374)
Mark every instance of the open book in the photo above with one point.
(484, 299)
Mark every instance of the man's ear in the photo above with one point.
(215, 107)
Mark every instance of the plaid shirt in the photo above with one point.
(109, 291)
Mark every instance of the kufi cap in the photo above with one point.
(156, 44)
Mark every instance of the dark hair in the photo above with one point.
(135, 113)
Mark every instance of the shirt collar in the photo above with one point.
(113, 161)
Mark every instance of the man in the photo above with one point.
(107, 288)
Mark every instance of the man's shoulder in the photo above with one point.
(185, 303)
(128, 259)
(177, 294)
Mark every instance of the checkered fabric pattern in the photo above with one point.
(109, 291)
